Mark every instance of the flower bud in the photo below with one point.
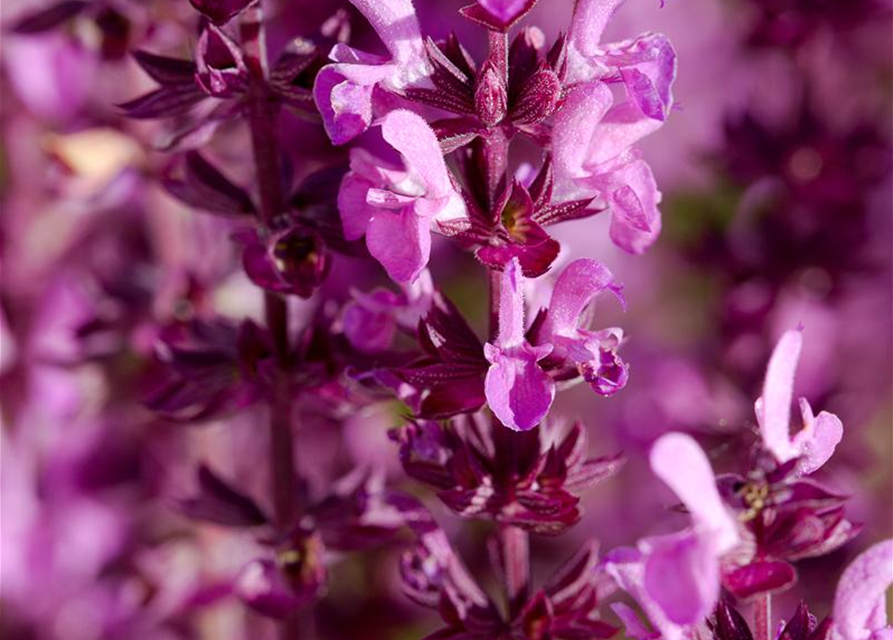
(538, 98)
(220, 68)
(490, 96)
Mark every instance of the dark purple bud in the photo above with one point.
(219, 503)
(220, 11)
(490, 96)
(524, 56)
(538, 99)
(497, 15)
(220, 67)
(536, 618)
(762, 576)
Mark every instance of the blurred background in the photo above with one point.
(775, 170)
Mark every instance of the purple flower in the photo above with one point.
(646, 65)
(396, 206)
(676, 577)
(860, 604)
(594, 353)
(518, 391)
(371, 320)
(345, 91)
(592, 142)
(815, 443)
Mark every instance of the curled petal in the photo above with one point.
(588, 23)
(860, 601)
(517, 390)
(575, 288)
(346, 103)
(635, 220)
(678, 460)
(353, 206)
(818, 438)
(647, 67)
(396, 24)
(774, 407)
(410, 135)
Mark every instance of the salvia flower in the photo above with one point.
(676, 577)
(370, 320)
(395, 206)
(518, 391)
(469, 462)
(788, 516)
(815, 443)
(345, 91)
(860, 603)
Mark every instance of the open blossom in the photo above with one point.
(815, 443)
(397, 206)
(345, 91)
(676, 577)
(860, 604)
(594, 136)
(520, 382)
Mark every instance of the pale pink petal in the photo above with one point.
(588, 23)
(396, 24)
(575, 288)
(774, 407)
(575, 126)
(647, 66)
(518, 392)
(678, 460)
(859, 604)
(511, 307)
(411, 136)
(346, 107)
(818, 438)
(682, 576)
(400, 241)
(635, 219)
(353, 206)
(620, 128)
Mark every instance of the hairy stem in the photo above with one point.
(262, 119)
(514, 552)
(762, 617)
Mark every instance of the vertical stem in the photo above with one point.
(514, 551)
(496, 143)
(762, 617)
(262, 119)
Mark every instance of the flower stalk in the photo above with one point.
(762, 617)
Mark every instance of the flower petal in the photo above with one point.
(860, 602)
(774, 407)
(575, 126)
(411, 136)
(355, 210)
(575, 288)
(517, 390)
(588, 23)
(396, 24)
(400, 241)
(682, 576)
(818, 438)
(678, 460)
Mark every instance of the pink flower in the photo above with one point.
(518, 391)
(396, 206)
(676, 577)
(860, 604)
(816, 442)
(345, 91)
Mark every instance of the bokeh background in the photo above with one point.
(776, 174)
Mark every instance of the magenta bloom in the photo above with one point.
(860, 604)
(518, 391)
(394, 206)
(345, 91)
(676, 577)
(816, 442)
